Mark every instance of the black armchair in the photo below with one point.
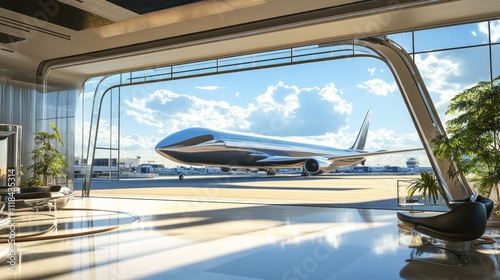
(465, 222)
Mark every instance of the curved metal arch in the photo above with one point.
(94, 132)
(422, 112)
(413, 91)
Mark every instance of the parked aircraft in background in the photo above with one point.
(235, 150)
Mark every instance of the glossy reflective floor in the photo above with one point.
(213, 240)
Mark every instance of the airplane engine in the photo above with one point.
(315, 165)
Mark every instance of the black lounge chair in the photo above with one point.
(463, 223)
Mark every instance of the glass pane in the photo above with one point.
(405, 40)
(448, 73)
(114, 117)
(495, 60)
(105, 130)
(196, 68)
(495, 31)
(254, 60)
(451, 37)
(327, 50)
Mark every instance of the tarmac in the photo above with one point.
(344, 191)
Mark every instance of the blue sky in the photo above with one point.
(322, 102)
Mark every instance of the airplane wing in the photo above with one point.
(272, 160)
(368, 154)
(320, 164)
(293, 160)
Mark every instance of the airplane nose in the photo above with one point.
(162, 143)
(172, 140)
(169, 141)
(186, 137)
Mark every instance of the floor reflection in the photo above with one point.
(68, 222)
(206, 240)
(433, 259)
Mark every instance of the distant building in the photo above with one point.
(101, 167)
(412, 163)
(152, 168)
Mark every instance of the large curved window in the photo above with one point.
(302, 93)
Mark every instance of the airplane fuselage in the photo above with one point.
(234, 150)
(202, 146)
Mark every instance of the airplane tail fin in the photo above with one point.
(360, 142)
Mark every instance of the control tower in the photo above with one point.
(412, 163)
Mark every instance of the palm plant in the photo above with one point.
(427, 186)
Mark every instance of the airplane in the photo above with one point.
(235, 150)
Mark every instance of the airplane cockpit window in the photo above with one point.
(195, 141)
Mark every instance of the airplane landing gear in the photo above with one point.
(304, 173)
(271, 172)
(181, 177)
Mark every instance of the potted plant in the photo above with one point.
(427, 186)
(473, 137)
(49, 163)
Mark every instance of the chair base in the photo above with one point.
(430, 250)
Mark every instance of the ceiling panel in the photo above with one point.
(148, 6)
(56, 13)
(8, 38)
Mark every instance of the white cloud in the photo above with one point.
(483, 27)
(107, 133)
(215, 114)
(281, 98)
(281, 110)
(208, 87)
(134, 145)
(494, 29)
(138, 142)
(168, 111)
(383, 139)
(438, 72)
(144, 118)
(340, 139)
(380, 139)
(379, 87)
(289, 110)
(372, 71)
(331, 94)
